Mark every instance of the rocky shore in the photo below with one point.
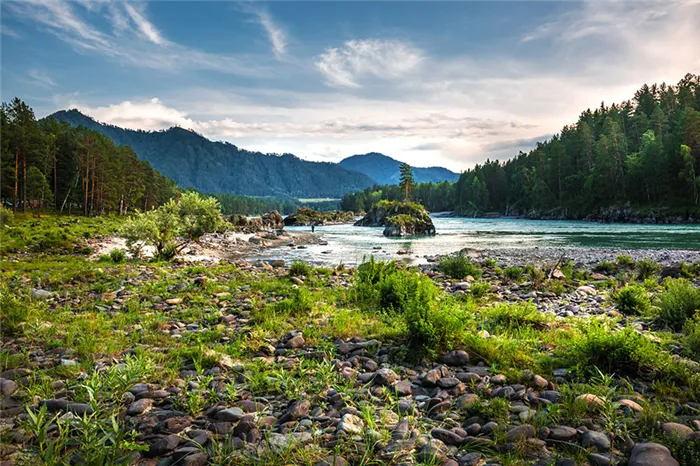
(196, 379)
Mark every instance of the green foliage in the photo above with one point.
(7, 217)
(625, 261)
(678, 302)
(647, 268)
(536, 275)
(406, 180)
(621, 352)
(513, 316)
(117, 255)
(479, 289)
(300, 269)
(605, 267)
(301, 302)
(458, 267)
(171, 226)
(632, 299)
(432, 328)
(691, 331)
(513, 274)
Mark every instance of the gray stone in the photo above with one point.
(139, 406)
(455, 358)
(385, 377)
(673, 429)
(351, 425)
(163, 446)
(448, 382)
(597, 459)
(651, 454)
(41, 294)
(431, 378)
(229, 415)
(8, 387)
(520, 433)
(333, 461)
(432, 451)
(562, 433)
(447, 437)
(403, 388)
(597, 440)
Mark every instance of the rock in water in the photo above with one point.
(399, 219)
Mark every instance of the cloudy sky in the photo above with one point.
(430, 83)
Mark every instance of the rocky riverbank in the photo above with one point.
(257, 363)
(308, 217)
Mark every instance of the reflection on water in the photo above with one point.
(348, 244)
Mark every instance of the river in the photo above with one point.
(348, 244)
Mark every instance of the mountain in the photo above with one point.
(191, 160)
(385, 170)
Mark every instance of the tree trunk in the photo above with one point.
(24, 186)
(55, 183)
(14, 206)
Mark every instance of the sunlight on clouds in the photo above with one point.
(383, 59)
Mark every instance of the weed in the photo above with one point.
(625, 261)
(632, 299)
(458, 267)
(605, 267)
(647, 268)
(513, 274)
(678, 302)
(117, 255)
(479, 289)
(299, 269)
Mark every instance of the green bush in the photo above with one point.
(383, 286)
(647, 268)
(536, 275)
(555, 286)
(678, 302)
(299, 269)
(479, 289)
(632, 299)
(301, 302)
(7, 217)
(691, 330)
(606, 267)
(624, 353)
(432, 328)
(458, 267)
(513, 316)
(625, 261)
(117, 255)
(513, 274)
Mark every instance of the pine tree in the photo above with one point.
(406, 181)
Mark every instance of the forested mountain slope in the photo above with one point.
(217, 167)
(47, 164)
(641, 152)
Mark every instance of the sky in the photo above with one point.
(430, 83)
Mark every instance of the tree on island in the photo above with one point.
(406, 181)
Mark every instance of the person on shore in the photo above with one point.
(313, 228)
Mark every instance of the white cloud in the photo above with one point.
(145, 26)
(73, 23)
(383, 59)
(9, 32)
(275, 33)
(41, 79)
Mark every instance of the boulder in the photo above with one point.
(651, 454)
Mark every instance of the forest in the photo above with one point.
(49, 165)
(643, 152)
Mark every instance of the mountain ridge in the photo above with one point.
(385, 170)
(192, 160)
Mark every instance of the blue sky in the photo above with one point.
(430, 83)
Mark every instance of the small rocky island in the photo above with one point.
(306, 216)
(399, 219)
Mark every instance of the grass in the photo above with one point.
(123, 340)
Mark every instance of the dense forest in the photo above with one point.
(193, 161)
(436, 197)
(644, 152)
(245, 205)
(51, 165)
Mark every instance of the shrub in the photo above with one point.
(7, 217)
(479, 289)
(632, 299)
(555, 286)
(536, 275)
(299, 269)
(382, 285)
(625, 261)
(605, 267)
(647, 268)
(624, 352)
(513, 274)
(458, 267)
(117, 255)
(301, 302)
(511, 316)
(432, 328)
(678, 302)
(691, 330)
(172, 225)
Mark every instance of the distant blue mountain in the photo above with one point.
(385, 170)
